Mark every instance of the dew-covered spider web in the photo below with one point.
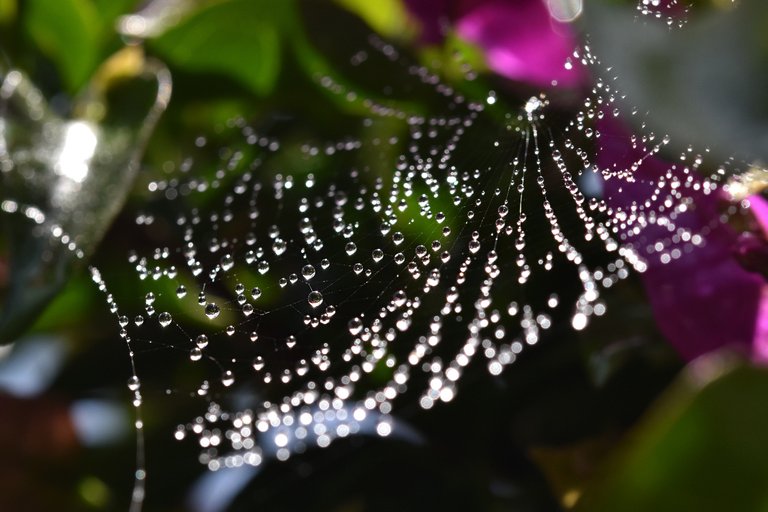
(307, 299)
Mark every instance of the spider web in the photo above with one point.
(306, 299)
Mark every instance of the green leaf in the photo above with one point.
(703, 447)
(239, 38)
(387, 17)
(67, 31)
(8, 10)
(109, 10)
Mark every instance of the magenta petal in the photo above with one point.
(433, 16)
(521, 40)
(703, 300)
(760, 341)
(759, 208)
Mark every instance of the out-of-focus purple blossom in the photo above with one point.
(519, 38)
(704, 299)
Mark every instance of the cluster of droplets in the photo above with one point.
(54, 232)
(334, 290)
(134, 387)
(672, 12)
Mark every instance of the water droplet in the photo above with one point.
(279, 247)
(315, 298)
(355, 326)
(201, 341)
(579, 321)
(227, 262)
(165, 319)
(133, 383)
(212, 310)
(308, 272)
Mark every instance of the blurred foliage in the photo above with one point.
(67, 32)
(387, 17)
(702, 447)
(75, 172)
(252, 35)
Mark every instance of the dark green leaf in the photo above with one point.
(239, 38)
(109, 10)
(7, 11)
(704, 447)
(67, 31)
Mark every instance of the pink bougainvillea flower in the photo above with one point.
(519, 38)
(706, 298)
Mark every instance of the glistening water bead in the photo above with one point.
(133, 383)
(212, 310)
(165, 319)
(315, 298)
(308, 272)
